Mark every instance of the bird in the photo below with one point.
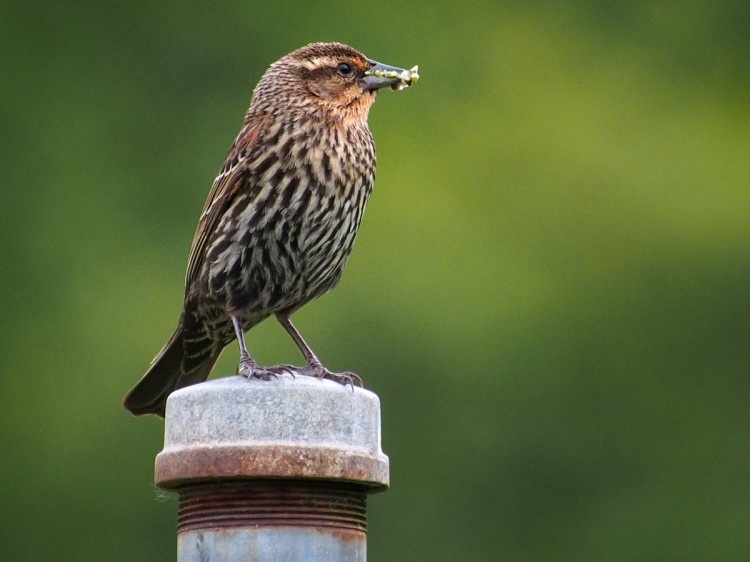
(280, 218)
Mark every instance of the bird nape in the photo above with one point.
(280, 219)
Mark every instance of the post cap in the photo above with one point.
(300, 428)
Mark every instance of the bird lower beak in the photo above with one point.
(381, 75)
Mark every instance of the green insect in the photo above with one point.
(405, 78)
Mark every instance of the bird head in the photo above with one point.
(328, 78)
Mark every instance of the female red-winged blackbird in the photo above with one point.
(281, 216)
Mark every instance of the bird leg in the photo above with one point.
(247, 367)
(314, 367)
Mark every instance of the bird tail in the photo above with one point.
(166, 374)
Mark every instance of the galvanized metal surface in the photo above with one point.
(271, 544)
(284, 428)
(272, 470)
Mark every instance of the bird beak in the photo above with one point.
(381, 75)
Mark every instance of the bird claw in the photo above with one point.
(284, 370)
(251, 370)
(345, 378)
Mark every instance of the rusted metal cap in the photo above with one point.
(301, 428)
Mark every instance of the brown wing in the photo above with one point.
(226, 186)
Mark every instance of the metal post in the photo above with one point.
(272, 470)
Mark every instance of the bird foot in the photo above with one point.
(251, 370)
(314, 369)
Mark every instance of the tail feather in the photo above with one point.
(165, 375)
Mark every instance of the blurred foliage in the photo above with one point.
(550, 291)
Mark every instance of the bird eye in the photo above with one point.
(344, 68)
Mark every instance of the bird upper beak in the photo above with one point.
(380, 75)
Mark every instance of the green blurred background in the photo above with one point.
(550, 291)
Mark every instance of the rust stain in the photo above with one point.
(175, 468)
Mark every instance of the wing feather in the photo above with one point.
(226, 186)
